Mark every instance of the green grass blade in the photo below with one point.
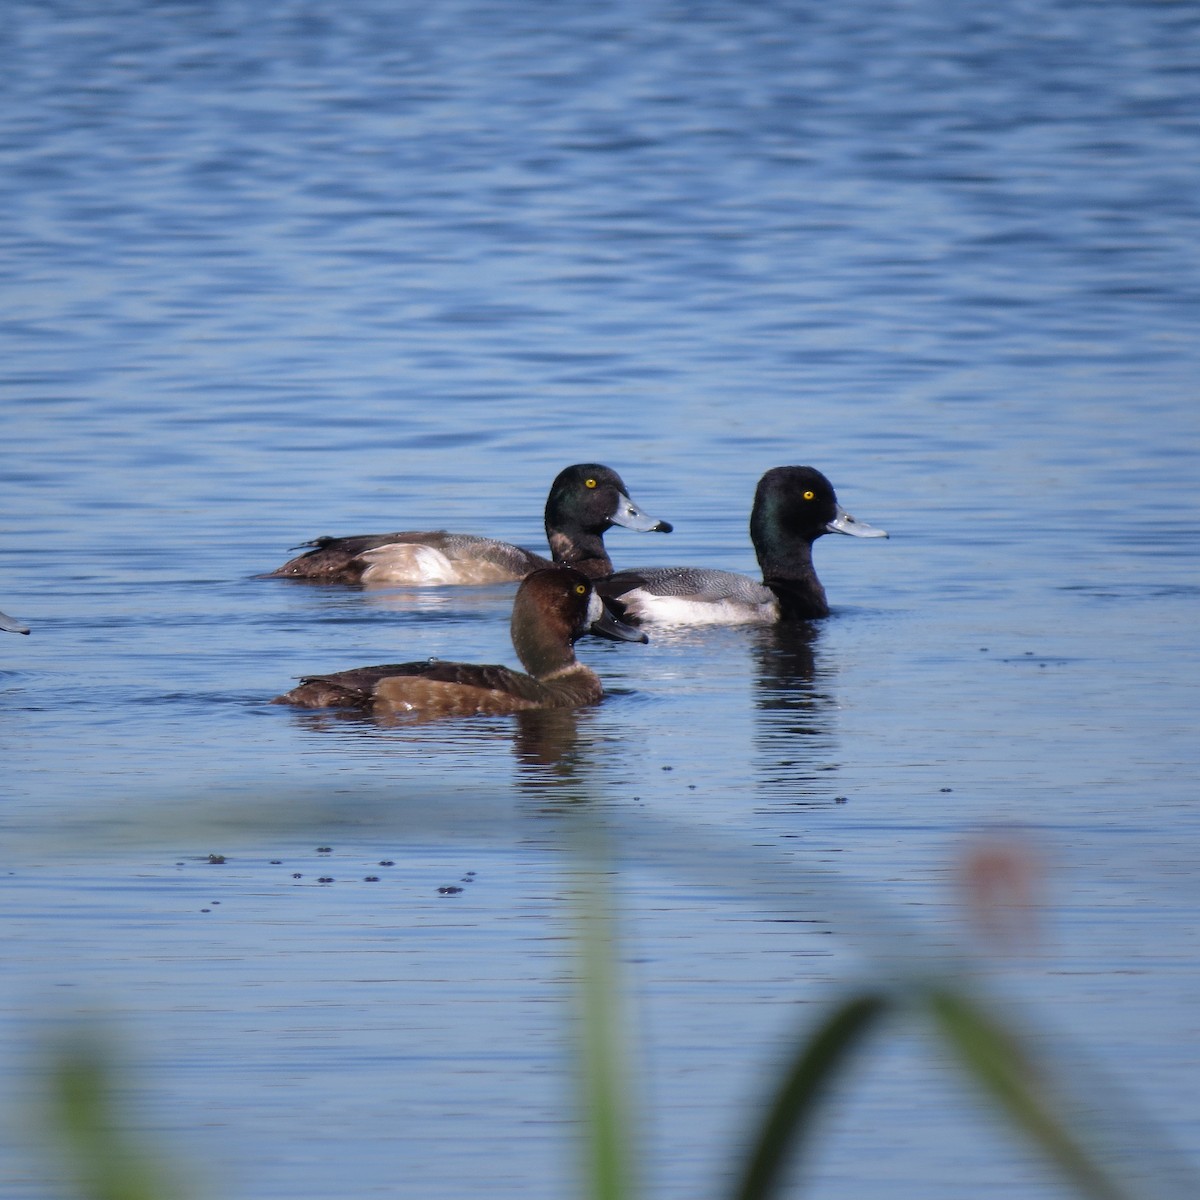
(603, 1048)
(103, 1160)
(995, 1061)
(808, 1078)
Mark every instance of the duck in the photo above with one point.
(793, 506)
(553, 608)
(585, 500)
(11, 625)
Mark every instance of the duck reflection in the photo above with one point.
(794, 712)
(547, 738)
(552, 763)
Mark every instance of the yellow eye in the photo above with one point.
(809, 495)
(589, 483)
(580, 589)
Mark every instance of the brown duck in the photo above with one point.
(553, 608)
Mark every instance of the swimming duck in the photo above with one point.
(10, 625)
(553, 608)
(584, 501)
(793, 506)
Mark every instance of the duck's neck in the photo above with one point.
(583, 551)
(541, 649)
(789, 573)
(799, 599)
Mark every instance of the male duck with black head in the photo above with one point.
(585, 500)
(553, 609)
(793, 506)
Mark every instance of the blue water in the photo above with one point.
(270, 273)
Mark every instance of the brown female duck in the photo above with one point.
(553, 608)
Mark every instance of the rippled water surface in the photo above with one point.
(272, 272)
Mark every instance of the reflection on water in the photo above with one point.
(795, 712)
(546, 745)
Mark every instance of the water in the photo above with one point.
(275, 273)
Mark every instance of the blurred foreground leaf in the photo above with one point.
(603, 1046)
(995, 1061)
(810, 1075)
(85, 1115)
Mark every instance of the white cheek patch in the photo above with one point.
(595, 609)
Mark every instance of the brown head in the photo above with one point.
(553, 609)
